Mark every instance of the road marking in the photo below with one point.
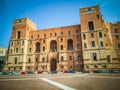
(64, 87)
(37, 78)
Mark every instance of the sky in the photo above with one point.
(50, 13)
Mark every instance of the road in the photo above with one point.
(77, 81)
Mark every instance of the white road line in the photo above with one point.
(64, 87)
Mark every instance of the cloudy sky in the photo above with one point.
(50, 13)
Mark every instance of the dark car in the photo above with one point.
(96, 71)
(85, 71)
(114, 71)
(71, 71)
(10, 73)
(104, 71)
(29, 72)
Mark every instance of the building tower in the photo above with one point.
(18, 44)
(96, 45)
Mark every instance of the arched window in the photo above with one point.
(37, 47)
(53, 46)
(70, 44)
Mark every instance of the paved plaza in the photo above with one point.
(77, 81)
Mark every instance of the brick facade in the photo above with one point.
(91, 45)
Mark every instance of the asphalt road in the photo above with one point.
(77, 81)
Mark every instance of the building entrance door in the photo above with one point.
(53, 65)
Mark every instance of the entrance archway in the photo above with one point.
(53, 65)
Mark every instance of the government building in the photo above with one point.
(91, 45)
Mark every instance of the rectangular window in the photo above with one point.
(92, 35)
(61, 33)
(16, 50)
(101, 43)
(84, 36)
(70, 57)
(30, 50)
(85, 46)
(55, 34)
(61, 47)
(22, 42)
(108, 58)
(97, 16)
(61, 39)
(44, 35)
(43, 48)
(29, 61)
(43, 41)
(78, 46)
(117, 37)
(100, 34)
(91, 25)
(15, 61)
(37, 60)
(118, 45)
(18, 34)
(69, 32)
(31, 36)
(38, 36)
(95, 56)
(22, 50)
(77, 37)
(115, 30)
(104, 35)
(93, 43)
(50, 34)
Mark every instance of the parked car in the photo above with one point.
(16, 73)
(104, 71)
(23, 73)
(4, 73)
(66, 71)
(40, 72)
(85, 71)
(114, 71)
(96, 71)
(71, 71)
(29, 72)
(10, 73)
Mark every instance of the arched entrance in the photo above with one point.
(53, 65)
